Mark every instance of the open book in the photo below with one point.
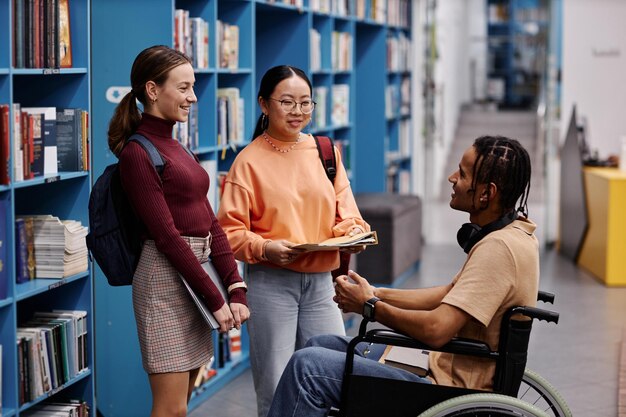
(360, 239)
(199, 300)
(412, 360)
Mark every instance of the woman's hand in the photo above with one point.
(225, 318)
(280, 252)
(240, 313)
(354, 249)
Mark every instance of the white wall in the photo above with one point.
(594, 70)
(452, 78)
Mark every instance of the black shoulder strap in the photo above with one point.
(153, 153)
(326, 150)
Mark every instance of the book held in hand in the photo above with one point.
(409, 359)
(341, 242)
(199, 300)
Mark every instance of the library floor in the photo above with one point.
(579, 356)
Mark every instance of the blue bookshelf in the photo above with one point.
(64, 195)
(270, 33)
(517, 32)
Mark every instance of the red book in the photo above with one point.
(4, 145)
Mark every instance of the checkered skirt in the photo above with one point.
(172, 334)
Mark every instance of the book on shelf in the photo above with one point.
(60, 247)
(18, 150)
(5, 145)
(228, 45)
(320, 96)
(199, 300)
(230, 115)
(72, 139)
(4, 275)
(65, 35)
(340, 109)
(49, 122)
(341, 242)
(21, 252)
(409, 359)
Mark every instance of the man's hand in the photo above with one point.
(351, 295)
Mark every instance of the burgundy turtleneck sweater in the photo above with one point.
(174, 205)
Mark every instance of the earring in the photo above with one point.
(153, 100)
(264, 121)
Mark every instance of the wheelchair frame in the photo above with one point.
(372, 396)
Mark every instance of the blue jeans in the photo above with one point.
(311, 383)
(287, 308)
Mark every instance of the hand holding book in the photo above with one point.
(341, 242)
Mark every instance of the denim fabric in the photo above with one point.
(311, 383)
(287, 308)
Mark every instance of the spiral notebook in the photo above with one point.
(198, 298)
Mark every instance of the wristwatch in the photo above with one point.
(369, 308)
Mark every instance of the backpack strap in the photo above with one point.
(151, 150)
(326, 150)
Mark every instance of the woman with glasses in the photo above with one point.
(277, 195)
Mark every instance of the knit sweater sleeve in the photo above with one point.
(143, 187)
(224, 261)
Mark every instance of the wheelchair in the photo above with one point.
(517, 391)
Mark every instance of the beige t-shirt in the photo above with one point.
(501, 271)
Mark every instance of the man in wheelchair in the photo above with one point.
(501, 271)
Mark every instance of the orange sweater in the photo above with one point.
(269, 195)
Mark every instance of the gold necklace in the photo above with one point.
(280, 149)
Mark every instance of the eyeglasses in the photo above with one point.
(306, 106)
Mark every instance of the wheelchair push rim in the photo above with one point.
(484, 405)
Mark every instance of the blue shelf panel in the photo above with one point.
(4, 71)
(6, 302)
(4, 188)
(50, 178)
(8, 412)
(40, 285)
(84, 374)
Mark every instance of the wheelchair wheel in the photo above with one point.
(538, 391)
(483, 405)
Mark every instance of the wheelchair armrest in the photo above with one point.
(456, 345)
(536, 313)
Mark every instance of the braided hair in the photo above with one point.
(505, 163)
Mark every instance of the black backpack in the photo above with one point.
(114, 237)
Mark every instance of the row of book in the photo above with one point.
(191, 37)
(340, 105)
(341, 51)
(46, 140)
(187, 132)
(51, 350)
(47, 247)
(230, 116)
(41, 34)
(227, 45)
(60, 408)
(399, 53)
(398, 99)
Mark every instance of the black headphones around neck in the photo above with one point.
(470, 233)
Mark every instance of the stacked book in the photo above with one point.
(60, 247)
